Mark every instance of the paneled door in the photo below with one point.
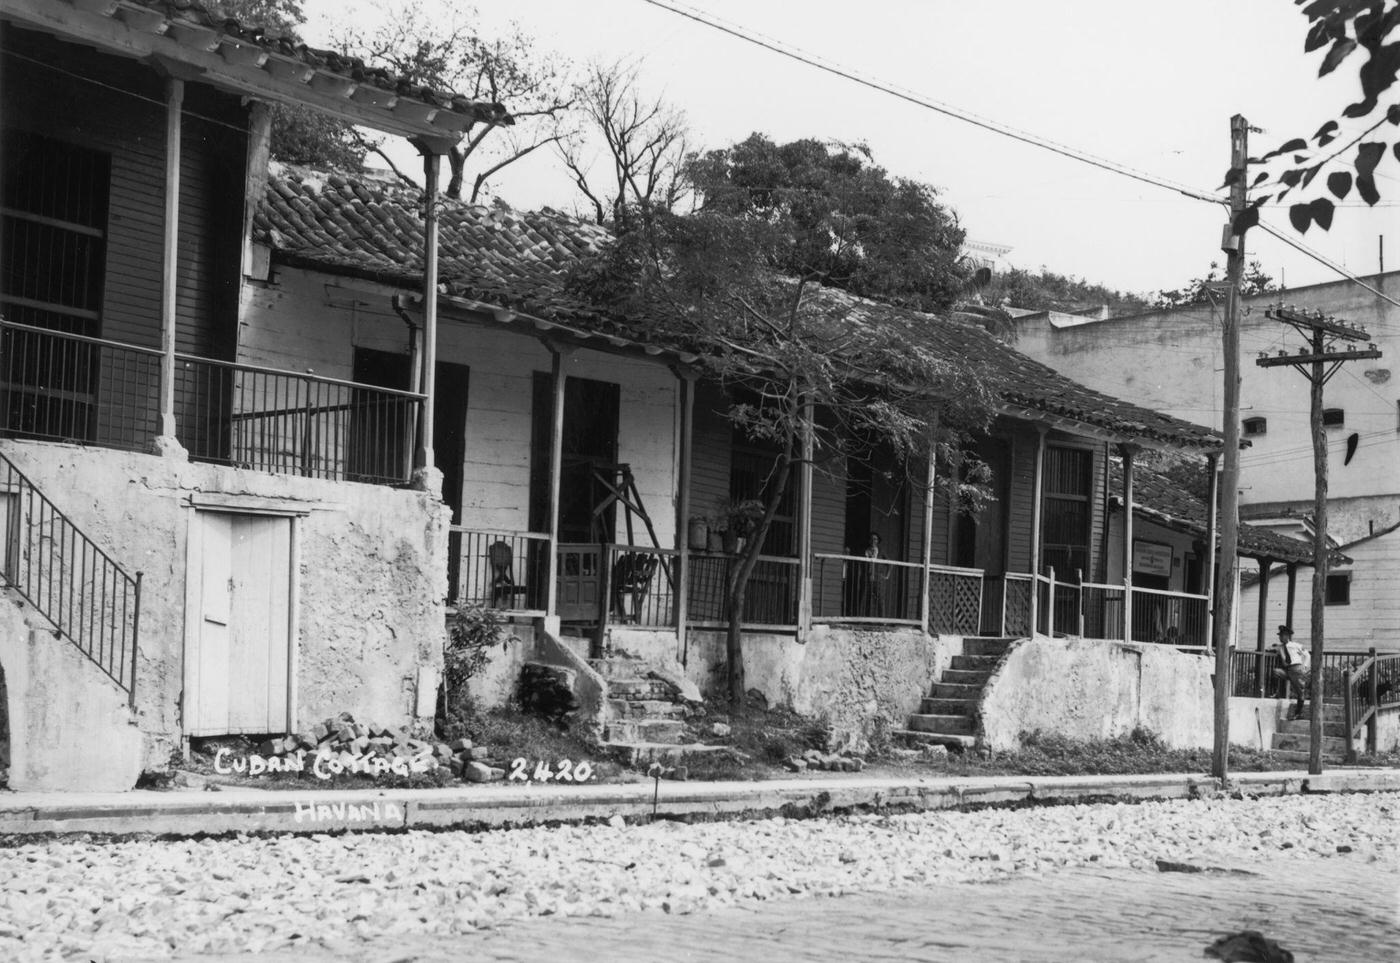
(238, 634)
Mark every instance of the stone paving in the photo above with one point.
(352, 896)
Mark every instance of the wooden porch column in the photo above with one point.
(1037, 504)
(556, 455)
(423, 461)
(1262, 629)
(1292, 591)
(1128, 451)
(930, 477)
(681, 589)
(804, 527)
(1212, 533)
(174, 103)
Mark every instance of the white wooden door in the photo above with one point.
(238, 636)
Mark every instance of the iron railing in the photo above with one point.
(294, 424)
(639, 584)
(1369, 686)
(67, 387)
(853, 588)
(497, 569)
(90, 599)
(769, 599)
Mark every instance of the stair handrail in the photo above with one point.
(1364, 671)
(88, 597)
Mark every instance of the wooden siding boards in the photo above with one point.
(128, 123)
(711, 451)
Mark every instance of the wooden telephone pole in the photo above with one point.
(1318, 364)
(1233, 246)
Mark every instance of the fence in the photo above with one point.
(497, 569)
(68, 387)
(955, 599)
(770, 598)
(89, 598)
(1368, 687)
(640, 585)
(1253, 675)
(853, 588)
(296, 424)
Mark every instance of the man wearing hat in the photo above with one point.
(1295, 664)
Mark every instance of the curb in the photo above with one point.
(192, 813)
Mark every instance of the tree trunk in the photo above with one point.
(457, 160)
(1321, 561)
(734, 647)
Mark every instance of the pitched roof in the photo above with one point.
(371, 227)
(1164, 501)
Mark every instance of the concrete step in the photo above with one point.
(986, 646)
(966, 676)
(619, 668)
(666, 753)
(1330, 713)
(941, 723)
(1330, 745)
(644, 709)
(1301, 757)
(963, 741)
(644, 730)
(975, 663)
(645, 690)
(948, 707)
(1302, 727)
(955, 690)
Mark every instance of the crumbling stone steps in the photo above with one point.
(952, 739)
(948, 724)
(969, 677)
(1331, 745)
(988, 646)
(955, 690)
(644, 709)
(947, 707)
(974, 663)
(666, 753)
(671, 731)
(1303, 727)
(638, 690)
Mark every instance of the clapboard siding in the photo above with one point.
(710, 455)
(125, 118)
(1020, 512)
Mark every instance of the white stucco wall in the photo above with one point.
(1093, 689)
(372, 576)
(304, 319)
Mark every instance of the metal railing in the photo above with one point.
(1159, 617)
(853, 588)
(294, 424)
(1369, 686)
(770, 598)
(90, 599)
(639, 584)
(67, 387)
(497, 569)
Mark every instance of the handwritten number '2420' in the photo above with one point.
(565, 771)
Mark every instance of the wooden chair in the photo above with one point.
(631, 577)
(503, 588)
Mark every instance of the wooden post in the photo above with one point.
(1080, 574)
(804, 525)
(930, 479)
(1372, 700)
(556, 454)
(1037, 499)
(1292, 591)
(681, 588)
(605, 591)
(174, 101)
(1050, 606)
(432, 166)
(1212, 534)
(1261, 630)
(1128, 452)
(1321, 559)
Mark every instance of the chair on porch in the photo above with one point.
(631, 578)
(503, 588)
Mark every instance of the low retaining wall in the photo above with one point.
(1096, 689)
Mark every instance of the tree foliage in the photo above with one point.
(630, 151)
(761, 281)
(443, 48)
(1292, 169)
(1044, 290)
(1209, 289)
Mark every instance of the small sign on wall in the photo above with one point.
(1152, 558)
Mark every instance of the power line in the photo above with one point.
(1320, 258)
(812, 60)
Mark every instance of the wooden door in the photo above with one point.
(238, 635)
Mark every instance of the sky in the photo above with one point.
(1148, 85)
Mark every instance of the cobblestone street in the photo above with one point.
(507, 893)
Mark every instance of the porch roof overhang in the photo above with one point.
(190, 42)
(1112, 435)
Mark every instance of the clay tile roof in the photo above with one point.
(371, 227)
(196, 14)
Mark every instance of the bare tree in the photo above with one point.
(444, 49)
(632, 149)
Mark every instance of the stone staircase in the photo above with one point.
(948, 715)
(645, 721)
(1291, 738)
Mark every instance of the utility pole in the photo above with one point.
(1318, 364)
(1232, 244)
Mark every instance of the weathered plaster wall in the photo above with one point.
(307, 319)
(70, 728)
(1253, 722)
(1095, 689)
(852, 676)
(372, 575)
(495, 685)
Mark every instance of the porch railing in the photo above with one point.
(1161, 617)
(92, 601)
(498, 569)
(853, 588)
(1368, 687)
(770, 598)
(60, 386)
(640, 585)
(1014, 591)
(955, 599)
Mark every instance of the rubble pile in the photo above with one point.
(830, 761)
